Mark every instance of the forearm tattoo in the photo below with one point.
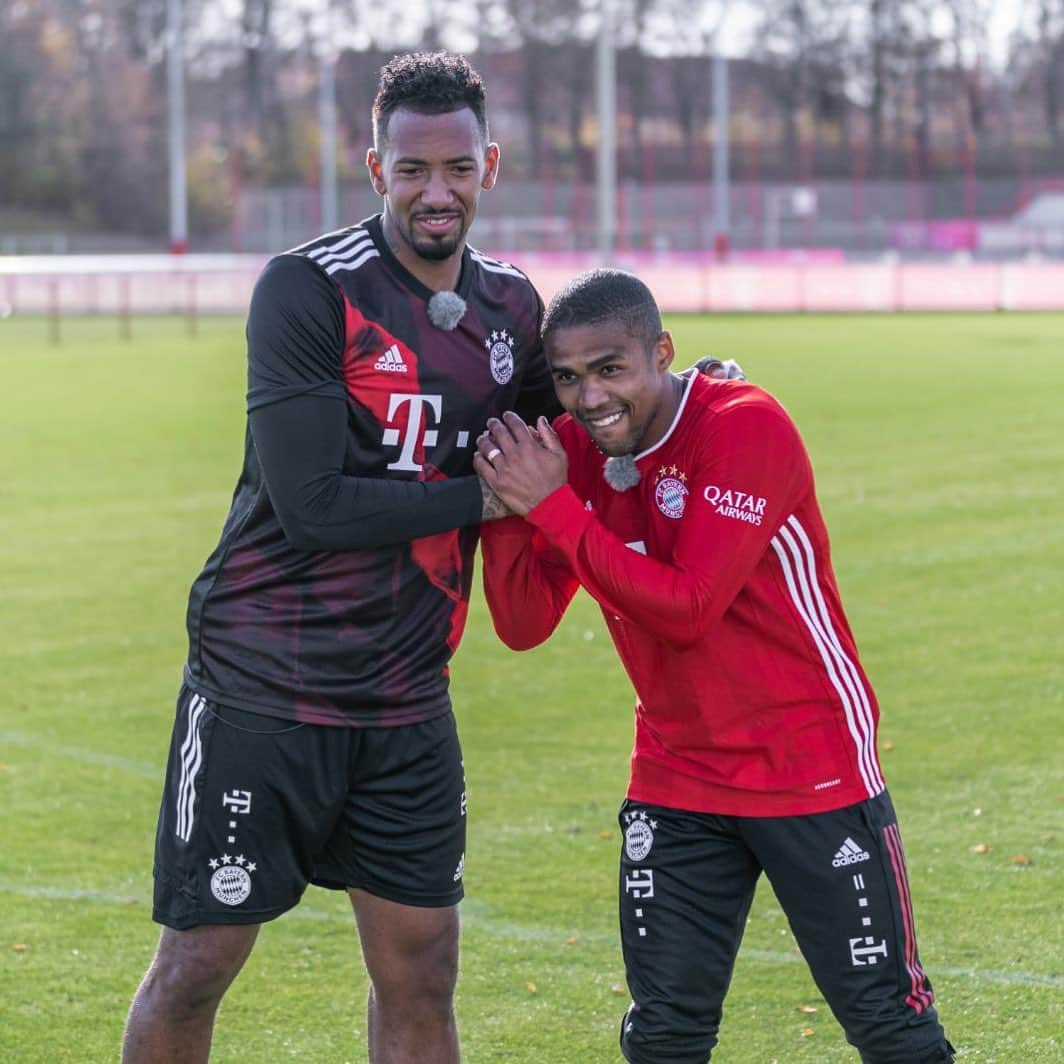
(492, 506)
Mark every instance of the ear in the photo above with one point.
(491, 166)
(664, 352)
(375, 165)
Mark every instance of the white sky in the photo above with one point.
(735, 31)
(1005, 15)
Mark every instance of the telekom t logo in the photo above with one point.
(409, 435)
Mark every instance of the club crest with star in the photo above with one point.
(500, 347)
(231, 878)
(638, 835)
(670, 491)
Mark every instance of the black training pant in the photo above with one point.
(686, 884)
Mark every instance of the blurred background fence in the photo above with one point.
(197, 284)
(771, 134)
(989, 218)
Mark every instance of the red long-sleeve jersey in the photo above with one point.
(714, 576)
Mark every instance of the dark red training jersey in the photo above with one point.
(340, 586)
(714, 576)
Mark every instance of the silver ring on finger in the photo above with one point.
(492, 453)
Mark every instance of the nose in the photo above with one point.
(437, 192)
(592, 393)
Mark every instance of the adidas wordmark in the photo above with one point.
(391, 361)
(849, 853)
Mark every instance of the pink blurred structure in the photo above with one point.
(777, 282)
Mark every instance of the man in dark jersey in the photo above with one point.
(686, 508)
(314, 740)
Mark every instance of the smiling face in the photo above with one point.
(431, 169)
(623, 395)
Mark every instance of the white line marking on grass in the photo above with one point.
(479, 920)
(68, 894)
(88, 757)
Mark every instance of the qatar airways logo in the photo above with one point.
(413, 419)
(738, 505)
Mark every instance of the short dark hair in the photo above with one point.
(605, 295)
(430, 83)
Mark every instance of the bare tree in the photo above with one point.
(1051, 49)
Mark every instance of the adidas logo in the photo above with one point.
(391, 361)
(849, 853)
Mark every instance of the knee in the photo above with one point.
(183, 988)
(189, 978)
(422, 979)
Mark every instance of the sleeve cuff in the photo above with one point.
(505, 528)
(562, 518)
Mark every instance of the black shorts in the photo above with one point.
(255, 808)
(686, 884)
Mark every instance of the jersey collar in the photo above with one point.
(374, 226)
(688, 376)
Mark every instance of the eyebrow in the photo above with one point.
(410, 159)
(595, 363)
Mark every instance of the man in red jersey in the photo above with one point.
(686, 507)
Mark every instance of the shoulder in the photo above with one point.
(341, 252)
(501, 281)
(289, 284)
(738, 406)
(740, 428)
(496, 267)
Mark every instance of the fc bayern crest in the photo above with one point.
(500, 347)
(638, 836)
(670, 492)
(231, 879)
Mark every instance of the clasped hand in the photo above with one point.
(520, 464)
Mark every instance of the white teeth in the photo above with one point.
(602, 423)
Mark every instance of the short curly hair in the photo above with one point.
(601, 296)
(429, 83)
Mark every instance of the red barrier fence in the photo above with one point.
(194, 285)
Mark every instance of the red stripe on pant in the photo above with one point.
(921, 995)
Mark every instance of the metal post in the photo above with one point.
(175, 82)
(330, 213)
(722, 220)
(606, 92)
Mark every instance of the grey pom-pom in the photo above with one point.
(446, 310)
(621, 473)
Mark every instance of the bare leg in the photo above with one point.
(171, 1020)
(411, 954)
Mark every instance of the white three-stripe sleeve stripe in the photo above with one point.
(324, 255)
(494, 266)
(851, 680)
(358, 236)
(191, 757)
(850, 669)
(855, 705)
(788, 575)
(328, 256)
(373, 253)
(859, 713)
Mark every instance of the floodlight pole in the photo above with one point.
(606, 92)
(330, 199)
(721, 214)
(175, 84)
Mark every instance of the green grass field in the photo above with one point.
(938, 443)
